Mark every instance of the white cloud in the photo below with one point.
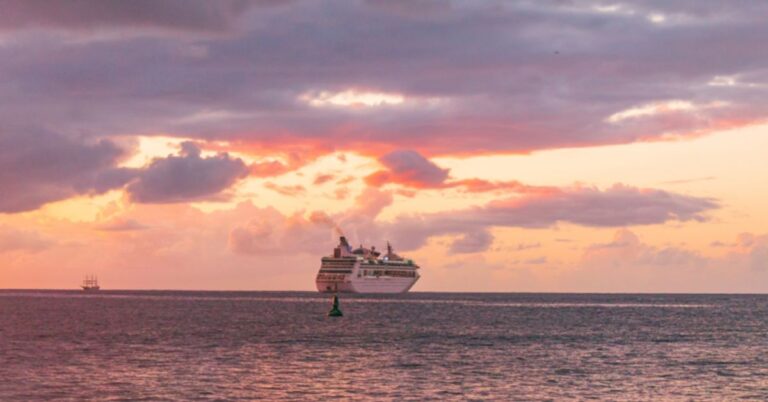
(657, 18)
(352, 98)
(661, 107)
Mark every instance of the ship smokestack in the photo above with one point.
(345, 244)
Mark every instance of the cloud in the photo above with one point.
(627, 250)
(121, 225)
(527, 246)
(323, 178)
(530, 261)
(12, 239)
(184, 15)
(472, 242)
(481, 186)
(269, 232)
(268, 169)
(409, 168)
(627, 263)
(187, 177)
(371, 202)
(543, 76)
(756, 248)
(290, 191)
(687, 181)
(616, 206)
(38, 167)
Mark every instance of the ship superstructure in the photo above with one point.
(365, 270)
(90, 284)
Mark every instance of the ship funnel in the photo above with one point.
(345, 244)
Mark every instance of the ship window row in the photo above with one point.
(338, 264)
(330, 277)
(377, 272)
(335, 271)
(406, 263)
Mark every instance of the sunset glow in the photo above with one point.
(577, 146)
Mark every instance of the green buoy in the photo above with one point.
(335, 312)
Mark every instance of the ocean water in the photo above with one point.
(190, 346)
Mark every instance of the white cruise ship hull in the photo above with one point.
(366, 285)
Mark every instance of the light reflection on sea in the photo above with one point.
(280, 345)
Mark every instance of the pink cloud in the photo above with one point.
(410, 169)
(627, 250)
(617, 206)
(15, 240)
(121, 225)
(268, 169)
(268, 231)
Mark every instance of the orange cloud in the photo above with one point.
(290, 191)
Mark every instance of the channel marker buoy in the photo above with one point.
(335, 311)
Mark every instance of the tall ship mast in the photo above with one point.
(90, 283)
(365, 270)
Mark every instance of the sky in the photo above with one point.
(512, 146)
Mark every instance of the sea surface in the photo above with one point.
(189, 346)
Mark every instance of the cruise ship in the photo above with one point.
(364, 270)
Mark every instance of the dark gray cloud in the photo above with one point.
(617, 206)
(472, 242)
(37, 167)
(477, 76)
(186, 177)
(409, 168)
(186, 15)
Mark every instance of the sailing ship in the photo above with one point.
(90, 284)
